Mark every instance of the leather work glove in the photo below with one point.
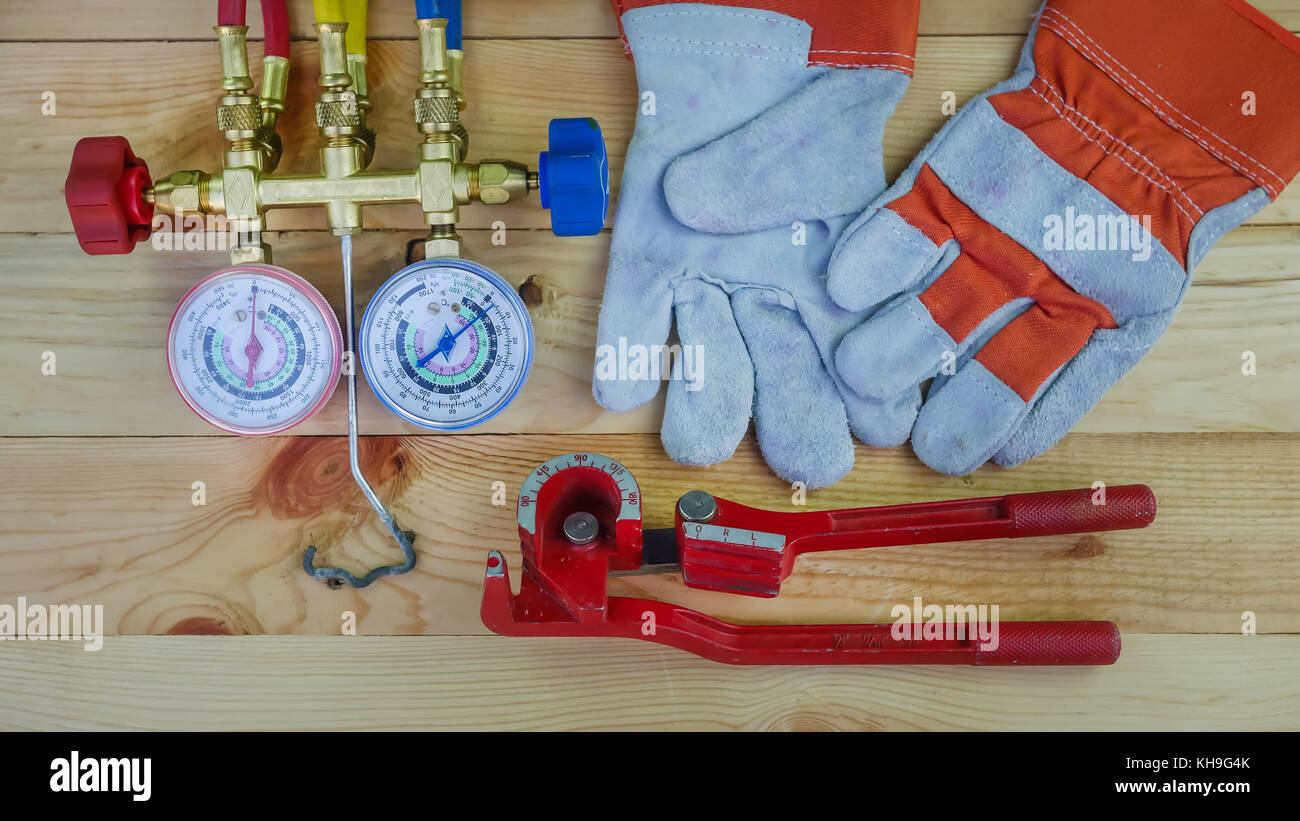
(756, 327)
(1041, 243)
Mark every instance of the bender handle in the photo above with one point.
(1016, 515)
(1078, 511)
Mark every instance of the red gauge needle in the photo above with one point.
(253, 350)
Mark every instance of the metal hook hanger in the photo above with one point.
(337, 576)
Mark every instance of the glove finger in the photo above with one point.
(799, 417)
(635, 319)
(1109, 355)
(878, 256)
(894, 351)
(815, 155)
(711, 395)
(975, 413)
(882, 423)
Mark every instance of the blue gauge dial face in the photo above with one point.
(446, 344)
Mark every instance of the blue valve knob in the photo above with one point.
(573, 177)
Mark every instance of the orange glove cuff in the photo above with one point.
(846, 33)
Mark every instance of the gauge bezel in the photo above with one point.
(313, 296)
(476, 269)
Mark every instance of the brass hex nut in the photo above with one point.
(442, 247)
(255, 252)
(185, 192)
(181, 192)
(500, 181)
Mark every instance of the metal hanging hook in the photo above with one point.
(337, 576)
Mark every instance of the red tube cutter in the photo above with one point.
(579, 520)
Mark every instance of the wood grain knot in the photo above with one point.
(805, 723)
(201, 626)
(311, 475)
(530, 291)
(1087, 547)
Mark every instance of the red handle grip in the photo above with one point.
(1027, 643)
(1055, 512)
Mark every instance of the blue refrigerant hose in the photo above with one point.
(449, 9)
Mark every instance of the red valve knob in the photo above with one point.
(105, 195)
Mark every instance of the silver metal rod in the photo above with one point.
(334, 575)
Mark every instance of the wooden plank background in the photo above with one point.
(451, 683)
(98, 462)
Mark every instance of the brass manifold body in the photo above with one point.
(246, 188)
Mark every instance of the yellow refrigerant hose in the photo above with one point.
(352, 12)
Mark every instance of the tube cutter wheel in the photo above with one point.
(579, 520)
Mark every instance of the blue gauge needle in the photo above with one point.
(448, 340)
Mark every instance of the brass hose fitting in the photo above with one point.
(239, 115)
(438, 102)
(245, 189)
(248, 122)
(184, 191)
(340, 116)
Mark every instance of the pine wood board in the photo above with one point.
(1172, 683)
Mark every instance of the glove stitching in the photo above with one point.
(846, 51)
(1056, 93)
(889, 223)
(722, 43)
(1117, 156)
(1102, 48)
(905, 64)
(1202, 243)
(721, 54)
(775, 18)
(1155, 108)
(1109, 345)
(1097, 60)
(730, 288)
(1001, 399)
(895, 66)
(925, 326)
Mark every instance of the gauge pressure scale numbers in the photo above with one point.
(446, 344)
(254, 350)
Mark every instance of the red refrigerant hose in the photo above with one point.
(275, 20)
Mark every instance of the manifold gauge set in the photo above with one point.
(255, 349)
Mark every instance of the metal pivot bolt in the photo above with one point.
(697, 506)
(581, 528)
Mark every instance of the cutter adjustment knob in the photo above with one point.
(105, 195)
(573, 177)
